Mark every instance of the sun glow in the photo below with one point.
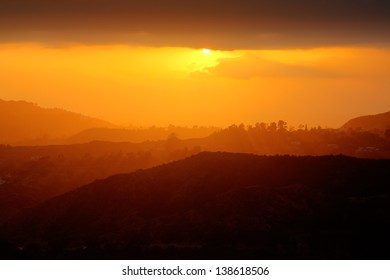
(206, 51)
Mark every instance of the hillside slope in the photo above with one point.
(21, 122)
(379, 122)
(29, 175)
(217, 205)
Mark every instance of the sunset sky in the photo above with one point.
(142, 62)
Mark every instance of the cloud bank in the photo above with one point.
(226, 25)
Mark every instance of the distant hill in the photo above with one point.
(379, 122)
(216, 205)
(22, 122)
(138, 135)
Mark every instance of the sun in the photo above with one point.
(206, 51)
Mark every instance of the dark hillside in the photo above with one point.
(217, 205)
(378, 122)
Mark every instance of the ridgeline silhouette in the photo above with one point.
(328, 197)
(29, 175)
(216, 205)
(23, 122)
(375, 123)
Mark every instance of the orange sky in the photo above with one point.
(144, 86)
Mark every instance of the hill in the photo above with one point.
(22, 122)
(32, 174)
(379, 122)
(216, 205)
(138, 135)
(29, 175)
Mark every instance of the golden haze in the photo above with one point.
(182, 86)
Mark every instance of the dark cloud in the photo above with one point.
(228, 24)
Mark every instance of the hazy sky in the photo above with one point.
(141, 63)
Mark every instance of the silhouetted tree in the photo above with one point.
(282, 125)
(272, 127)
